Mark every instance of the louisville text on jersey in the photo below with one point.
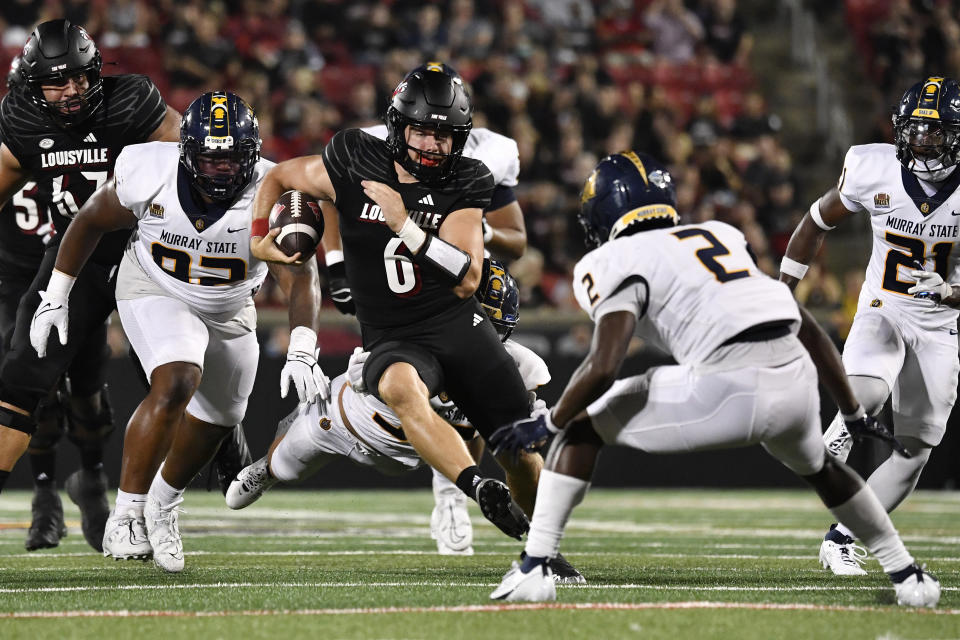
(74, 157)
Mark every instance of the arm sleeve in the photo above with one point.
(630, 295)
(125, 177)
(502, 196)
(143, 106)
(337, 158)
(479, 191)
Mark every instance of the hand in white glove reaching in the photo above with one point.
(355, 370)
(302, 368)
(930, 285)
(52, 312)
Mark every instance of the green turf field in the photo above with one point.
(360, 564)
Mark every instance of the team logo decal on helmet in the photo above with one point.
(926, 126)
(219, 144)
(499, 296)
(625, 193)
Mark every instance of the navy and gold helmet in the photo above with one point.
(56, 51)
(926, 127)
(499, 296)
(219, 144)
(628, 190)
(432, 96)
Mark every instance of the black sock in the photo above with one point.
(835, 536)
(91, 457)
(44, 467)
(899, 576)
(3, 478)
(468, 480)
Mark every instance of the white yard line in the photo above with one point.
(479, 608)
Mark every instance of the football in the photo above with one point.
(300, 221)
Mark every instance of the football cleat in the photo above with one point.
(564, 572)
(917, 589)
(251, 483)
(88, 490)
(232, 456)
(838, 440)
(450, 522)
(499, 508)
(163, 531)
(125, 537)
(517, 586)
(46, 523)
(843, 559)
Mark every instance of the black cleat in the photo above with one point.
(88, 490)
(232, 456)
(499, 508)
(47, 526)
(564, 572)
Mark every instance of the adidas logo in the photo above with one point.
(477, 319)
(427, 199)
(90, 137)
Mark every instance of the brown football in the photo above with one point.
(298, 217)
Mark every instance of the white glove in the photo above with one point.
(355, 370)
(302, 368)
(52, 312)
(487, 230)
(929, 285)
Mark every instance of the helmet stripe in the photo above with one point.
(635, 159)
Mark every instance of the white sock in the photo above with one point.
(163, 491)
(130, 501)
(867, 521)
(842, 528)
(557, 495)
(443, 485)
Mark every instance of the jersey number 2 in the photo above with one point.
(708, 255)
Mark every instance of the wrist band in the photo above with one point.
(303, 339)
(550, 425)
(412, 235)
(487, 231)
(58, 288)
(259, 227)
(793, 268)
(817, 218)
(333, 257)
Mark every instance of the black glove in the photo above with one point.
(340, 289)
(870, 427)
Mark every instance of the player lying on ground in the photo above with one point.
(742, 376)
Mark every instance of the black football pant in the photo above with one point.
(26, 379)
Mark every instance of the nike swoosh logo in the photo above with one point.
(455, 536)
(953, 332)
(229, 230)
(955, 213)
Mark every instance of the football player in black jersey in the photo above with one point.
(409, 217)
(62, 126)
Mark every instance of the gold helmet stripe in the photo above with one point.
(635, 159)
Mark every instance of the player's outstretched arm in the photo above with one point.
(828, 362)
(307, 174)
(824, 215)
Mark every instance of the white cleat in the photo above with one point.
(125, 537)
(251, 482)
(920, 589)
(517, 586)
(163, 530)
(843, 559)
(838, 440)
(450, 524)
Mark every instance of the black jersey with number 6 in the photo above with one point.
(389, 289)
(66, 165)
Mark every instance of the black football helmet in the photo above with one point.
(627, 192)
(56, 51)
(220, 125)
(926, 127)
(14, 77)
(499, 296)
(430, 97)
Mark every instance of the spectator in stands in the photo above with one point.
(676, 31)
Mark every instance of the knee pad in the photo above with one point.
(871, 392)
(51, 423)
(89, 418)
(387, 353)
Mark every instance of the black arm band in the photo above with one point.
(449, 263)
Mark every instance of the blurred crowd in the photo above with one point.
(569, 80)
